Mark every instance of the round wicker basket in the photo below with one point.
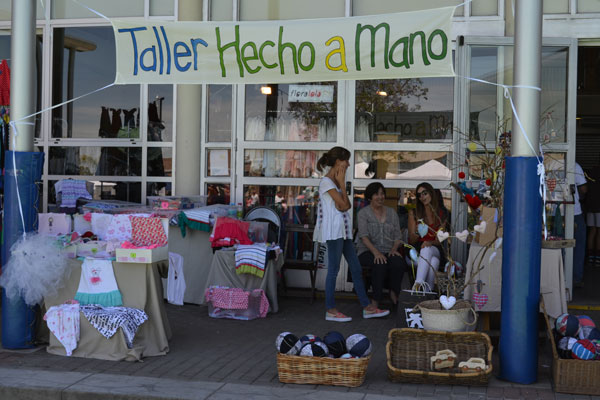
(437, 318)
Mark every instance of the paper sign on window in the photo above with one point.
(311, 93)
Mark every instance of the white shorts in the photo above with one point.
(593, 219)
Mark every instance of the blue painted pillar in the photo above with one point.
(18, 319)
(521, 256)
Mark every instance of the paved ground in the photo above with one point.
(221, 359)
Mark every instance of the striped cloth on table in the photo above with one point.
(251, 259)
(198, 215)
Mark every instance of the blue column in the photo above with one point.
(521, 255)
(18, 319)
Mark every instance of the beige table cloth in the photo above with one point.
(140, 288)
(552, 282)
(222, 273)
(197, 257)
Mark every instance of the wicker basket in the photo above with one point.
(409, 353)
(572, 376)
(322, 371)
(437, 318)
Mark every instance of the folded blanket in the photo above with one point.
(108, 319)
(251, 259)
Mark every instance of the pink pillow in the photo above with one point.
(147, 231)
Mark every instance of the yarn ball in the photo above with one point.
(347, 355)
(316, 349)
(584, 320)
(288, 343)
(565, 345)
(336, 343)
(567, 325)
(597, 344)
(309, 338)
(584, 349)
(358, 345)
(589, 333)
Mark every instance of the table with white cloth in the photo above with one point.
(140, 288)
(552, 282)
(197, 257)
(223, 273)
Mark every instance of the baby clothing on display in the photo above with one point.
(63, 322)
(100, 224)
(71, 190)
(108, 319)
(251, 259)
(175, 280)
(97, 284)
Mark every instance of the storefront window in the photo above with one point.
(484, 8)
(162, 8)
(107, 190)
(158, 189)
(160, 113)
(5, 49)
(370, 7)
(282, 163)
(418, 165)
(259, 10)
(588, 6)
(218, 193)
(110, 8)
(291, 112)
(221, 10)
(160, 161)
(6, 10)
(400, 110)
(494, 64)
(119, 161)
(294, 204)
(219, 113)
(84, 60)
(218, 162)
(556, 7)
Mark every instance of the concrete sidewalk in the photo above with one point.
(222, 359)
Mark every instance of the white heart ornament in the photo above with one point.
(414, 255)
(462, 236)
(492, 256)
(441, 235)
(423, 229)
(498, 243)
(447, 302)
(481, 227)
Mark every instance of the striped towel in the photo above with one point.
(198, 215)
(251, 259)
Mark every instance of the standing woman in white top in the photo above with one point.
(333, 228)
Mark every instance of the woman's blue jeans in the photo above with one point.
(335, 248)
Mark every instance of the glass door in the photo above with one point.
(484, 113)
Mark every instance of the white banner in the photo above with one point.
(401, 45)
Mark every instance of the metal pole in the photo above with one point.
(521, 255)
(22, 74)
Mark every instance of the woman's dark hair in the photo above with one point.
(328, 159)
(439, 212)
(372, 189)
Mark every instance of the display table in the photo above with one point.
(552, 282)
(222, 273)
(197, 257)
(140, 288)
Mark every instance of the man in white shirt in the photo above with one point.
(580, 227)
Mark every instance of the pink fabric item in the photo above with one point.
(480, 299)
(235, 299)
(129, 245)
(147, 232)
(88, 217)
(230, 229)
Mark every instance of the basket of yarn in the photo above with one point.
(575, 368)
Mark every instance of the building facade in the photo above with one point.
(258, 144)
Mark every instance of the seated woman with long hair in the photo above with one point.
(429, 212)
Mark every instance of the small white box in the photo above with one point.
(146, 256)
(70, 251)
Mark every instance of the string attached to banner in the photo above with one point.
(541, 170)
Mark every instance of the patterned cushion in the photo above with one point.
(147, 231)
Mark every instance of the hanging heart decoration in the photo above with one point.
(447, 302)
(498, 243)
(480, 299)
(414, 255)
(441, 235)
(423, 229)
(480, 227)
(462, 236)
(492, 256)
